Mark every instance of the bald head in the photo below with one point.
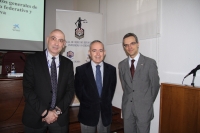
(56, 42)
(57, 30)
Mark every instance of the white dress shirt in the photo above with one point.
(136, 60)
(94, 69)
(49, 60)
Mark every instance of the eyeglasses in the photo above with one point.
(53, 38)
(128, 45)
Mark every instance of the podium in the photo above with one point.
(11, 104)
(179, 109)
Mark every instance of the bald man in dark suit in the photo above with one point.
(48, 92)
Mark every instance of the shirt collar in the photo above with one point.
(94, 64)
(49, 56)
(136, 58)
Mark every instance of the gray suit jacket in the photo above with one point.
(141, 91)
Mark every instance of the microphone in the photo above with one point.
(22, 58)
(193, 71)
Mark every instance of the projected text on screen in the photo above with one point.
(22, 19)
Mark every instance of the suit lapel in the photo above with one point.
(45, 68)
(61, 69)
(127, 68)
(138, 68)
(106, 74)
(90, 75)
(140, 64)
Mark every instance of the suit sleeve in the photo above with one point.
(28, 88)
(114, 82)
(78, 83)
(154, 79)
(121, 76)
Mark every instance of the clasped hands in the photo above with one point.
(51, 117)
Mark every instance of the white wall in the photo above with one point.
(176, 50)
(50, 15)
(180, 41)
(88, 5)
(78, 5)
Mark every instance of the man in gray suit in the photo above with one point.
(140, 83)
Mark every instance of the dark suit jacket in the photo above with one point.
(86, 90)
(38, 91)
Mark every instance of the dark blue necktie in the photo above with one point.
(98, 79)
(53, 82)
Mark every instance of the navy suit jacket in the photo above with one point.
(91, 104)
(38, 91)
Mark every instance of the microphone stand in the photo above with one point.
(194, 75)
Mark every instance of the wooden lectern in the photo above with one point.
(11, 104)
(179, 109)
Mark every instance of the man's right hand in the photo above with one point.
(51, 117)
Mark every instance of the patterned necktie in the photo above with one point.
(53, 82)
(98, 79)
(132, 69)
